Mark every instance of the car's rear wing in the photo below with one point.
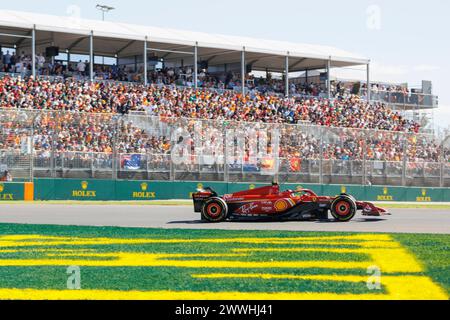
(201, 196)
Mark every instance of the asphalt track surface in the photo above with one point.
(179, 217)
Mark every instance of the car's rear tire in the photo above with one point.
(215, 210)
(349, 195)
(343, 208)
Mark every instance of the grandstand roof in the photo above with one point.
(113, 38)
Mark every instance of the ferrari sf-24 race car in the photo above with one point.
(268, 203)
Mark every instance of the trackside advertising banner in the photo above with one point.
(84, 189)
(122, 190)
(10, 191)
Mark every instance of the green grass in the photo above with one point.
(431, 250)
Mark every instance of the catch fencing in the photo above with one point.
(70, 144)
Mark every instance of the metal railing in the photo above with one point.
(150, 166)
(71, 144)
(405, 100)
(218, 89)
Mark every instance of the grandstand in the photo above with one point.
(124, 42)
(76, 119)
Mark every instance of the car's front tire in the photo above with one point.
(343, 208)
(215, 210)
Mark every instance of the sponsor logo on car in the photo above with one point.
(247, 208)
(281, 205)
(231, 199)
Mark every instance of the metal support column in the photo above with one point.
(91, 56)
(321, 156)
(145, 62)
(147, 166)
(33, 52)
(32, 151)
(329, 78)
(286, 76)
(53, 150)
(243, 69)
(442, 162)
(364, 168)
(226, 172)
(405, 158)
(92, 165)
(171, 170)
(115, 162)
(368, 82)
(196, 65)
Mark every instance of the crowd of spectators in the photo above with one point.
(180, 76)
(85, 117)
(380, 87)
(398, 94)
(171, 101)
(15, 63)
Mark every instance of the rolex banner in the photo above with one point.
(123, 190)
(91, 190)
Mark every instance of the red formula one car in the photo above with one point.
(269, 203)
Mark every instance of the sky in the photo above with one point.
(407, 41)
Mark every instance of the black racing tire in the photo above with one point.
(349, 195)
(343, 208)
(215, 210)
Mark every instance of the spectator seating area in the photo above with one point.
(79, 116)
(20, 64)
(171, 101)
(180, 76)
